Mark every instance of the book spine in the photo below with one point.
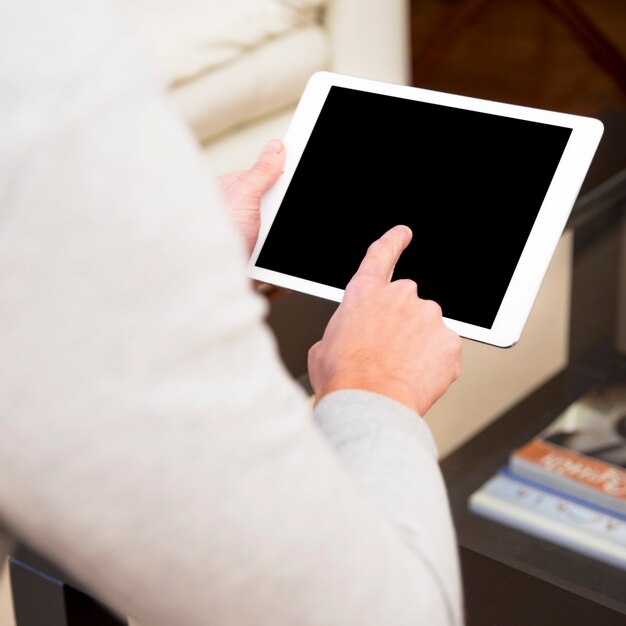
(523, 480)
(554, 518)
(571, 473)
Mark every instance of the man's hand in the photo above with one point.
(384, 338)
(243, 190)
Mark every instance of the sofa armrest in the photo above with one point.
(371, 38)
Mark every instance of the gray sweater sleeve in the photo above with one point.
(391, 455)
(151, 441)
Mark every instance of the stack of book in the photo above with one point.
(567, 484)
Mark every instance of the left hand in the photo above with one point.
(243, 190)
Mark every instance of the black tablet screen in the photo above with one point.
(469, 184)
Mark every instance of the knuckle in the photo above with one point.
(406, 287)
(263, 167)
(361, 283)
(433, 308)
(314, 349)
(380, 247)
(455, 346)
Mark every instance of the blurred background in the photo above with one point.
(528, 52)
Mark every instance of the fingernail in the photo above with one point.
(403, 228)
(274, 145)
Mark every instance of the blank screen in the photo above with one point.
(469, 185)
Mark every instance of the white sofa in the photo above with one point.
(237, 69)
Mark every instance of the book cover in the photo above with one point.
(583, 451)
(547, 514)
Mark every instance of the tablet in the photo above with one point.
(486, 187)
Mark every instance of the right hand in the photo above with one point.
(384, 338)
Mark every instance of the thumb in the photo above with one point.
(267, 168)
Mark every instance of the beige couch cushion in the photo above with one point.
(232, 62)
(265, 80)
(190, 37)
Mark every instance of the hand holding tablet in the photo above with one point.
(486, 188)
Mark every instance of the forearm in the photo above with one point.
(389, 452)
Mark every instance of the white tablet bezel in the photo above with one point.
(544, 236)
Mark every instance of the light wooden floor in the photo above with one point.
(517, 51)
